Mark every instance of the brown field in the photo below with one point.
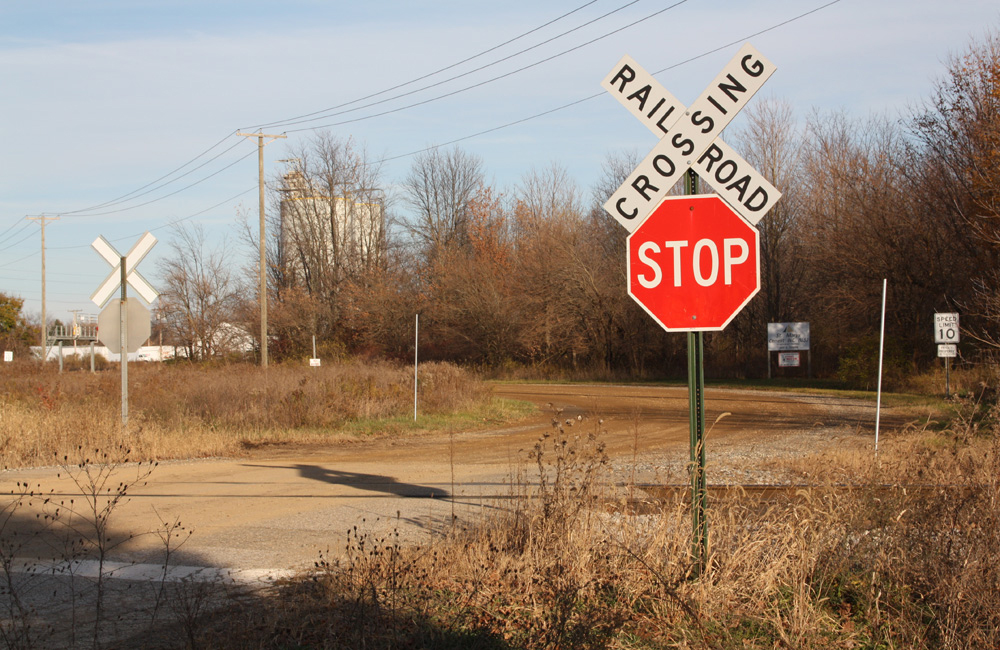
(893, 552)
(190, 411)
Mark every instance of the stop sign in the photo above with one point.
(693, 264)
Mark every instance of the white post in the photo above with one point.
(416, 344)
(123, 340)
(881, 350)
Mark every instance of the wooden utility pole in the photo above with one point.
(263, 261)
(45, 338)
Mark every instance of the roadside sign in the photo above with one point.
(787, 336)
(109, 326)
(693, 264)
(689, 138)
(789, 359)
(947, 350)
(113, 282)
(946, 328)
(8, 355)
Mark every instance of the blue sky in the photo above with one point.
(100, 99)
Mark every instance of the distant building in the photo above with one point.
(328, 236)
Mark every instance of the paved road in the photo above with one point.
(280, 508)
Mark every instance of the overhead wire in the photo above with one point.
(328, 112)
(492, 79)
(170, 223)
(428, 75)
(133, 194)
(89, 212)
(178, 191)
(600, 94)
(19, 241)
(162, 181)
(20, 222)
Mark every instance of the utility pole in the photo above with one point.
(263, 262)
(41, 218)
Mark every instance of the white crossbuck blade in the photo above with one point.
(112, 283)
(689, 138)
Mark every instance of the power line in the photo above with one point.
(20, 259)
(24, 226)
(600, 94)
(19, 241)
(135, 193)
(487, 81)
(325, 113)
(165, 196)
(293, 120)
(166, 225)
(456, 140)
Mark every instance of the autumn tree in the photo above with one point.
(622, 334)
(958, 178)
(15, 333)
(474, 285)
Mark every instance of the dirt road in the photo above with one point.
(279, 508)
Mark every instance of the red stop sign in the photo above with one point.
(693, 264)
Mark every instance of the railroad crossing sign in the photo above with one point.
(693, 263)
(689, 138)
(113, 282)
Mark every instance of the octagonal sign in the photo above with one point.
(693, 263)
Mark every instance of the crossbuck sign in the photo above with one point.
(113, 282)
(689, 138)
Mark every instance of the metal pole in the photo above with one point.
(123, 341)
(416, 355)
(696, 403)
(881, 349)
(45, 329)
(947, 377)
(696, 412)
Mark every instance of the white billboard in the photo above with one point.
(787, 336)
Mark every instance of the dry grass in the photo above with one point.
(904, 557)
(199, 411)
(887, 553)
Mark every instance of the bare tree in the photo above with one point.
(331, 224)
(770, 142)
(438, 189)
(201, 294)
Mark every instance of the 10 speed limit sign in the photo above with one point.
(946, 328)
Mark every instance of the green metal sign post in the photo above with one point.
(696, 414)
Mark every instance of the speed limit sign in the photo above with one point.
(946, 328)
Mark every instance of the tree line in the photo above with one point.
(535, 274)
